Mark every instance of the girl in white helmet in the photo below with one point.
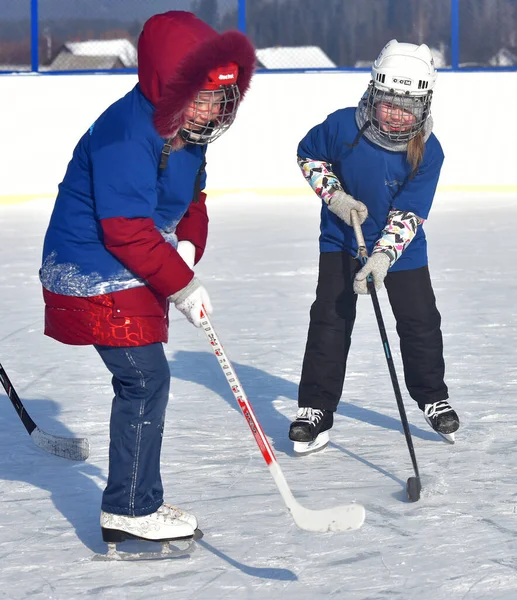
(382, 160)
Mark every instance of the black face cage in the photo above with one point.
(418, 106)
(214, 112)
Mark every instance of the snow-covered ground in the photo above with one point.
(458, 542)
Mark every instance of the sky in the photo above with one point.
(459, 541)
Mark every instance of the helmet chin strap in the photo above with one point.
(199, 137)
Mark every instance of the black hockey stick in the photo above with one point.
(414, 484)
(72, 448)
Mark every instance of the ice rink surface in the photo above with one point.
(458, 542)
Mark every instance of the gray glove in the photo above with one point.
(341, 204)
(377, 266)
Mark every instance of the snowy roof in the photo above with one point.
(123, 49)
(295, 57)
(13, 67)
(65, 61)
(438, 54)
(505, 57)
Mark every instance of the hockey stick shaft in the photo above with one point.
(363, 254)
(28, 423)
(72, 448)
(340, 518)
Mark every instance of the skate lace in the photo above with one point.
(312, 415)
(173, 511)
(437, 408)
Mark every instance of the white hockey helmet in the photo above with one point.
(402, 68)
(403, 76)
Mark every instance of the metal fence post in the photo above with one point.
(242, 16)
(34, 37)
(455, 34)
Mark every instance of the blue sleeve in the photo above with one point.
(418, 193)
(319, 143)
(124, 175)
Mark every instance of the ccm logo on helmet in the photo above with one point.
(402, 81)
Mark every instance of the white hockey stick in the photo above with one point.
(340, 518)
(66, 447)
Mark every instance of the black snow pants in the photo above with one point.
(332, 319)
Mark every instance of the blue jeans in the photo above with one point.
(141, 382)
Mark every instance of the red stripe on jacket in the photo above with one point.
(143, 250)
(137, 316)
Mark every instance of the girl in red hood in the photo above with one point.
(128, 226)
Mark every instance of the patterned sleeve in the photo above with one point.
(400, 229)
(320, 177)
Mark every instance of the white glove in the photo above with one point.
(187, 251)
(377, 266)
(190, 300)
(341, 204)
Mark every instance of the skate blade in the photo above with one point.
(168, 552)
(141, 550)
(317, 445)
(448, 437)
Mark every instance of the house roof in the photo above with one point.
(295, 57)
(12, 67)
(123, 49)
(438, 55)
(505, 57)
(65, 61)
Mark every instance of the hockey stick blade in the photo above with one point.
(340, 518)
(346, 517)
(71, 448)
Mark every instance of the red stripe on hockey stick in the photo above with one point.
(339, 518)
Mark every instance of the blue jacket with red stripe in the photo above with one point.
(117, 212)
(109, 258)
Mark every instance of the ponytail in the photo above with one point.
(415, 152)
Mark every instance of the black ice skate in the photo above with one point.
(309, 431)
(443, 419)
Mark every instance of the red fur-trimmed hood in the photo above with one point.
(176, 52)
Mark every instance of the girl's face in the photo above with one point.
(203, 110)
(393, 118)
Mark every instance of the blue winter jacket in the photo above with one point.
(378, 178)
(120, 154)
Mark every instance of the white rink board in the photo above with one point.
(43, 116)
